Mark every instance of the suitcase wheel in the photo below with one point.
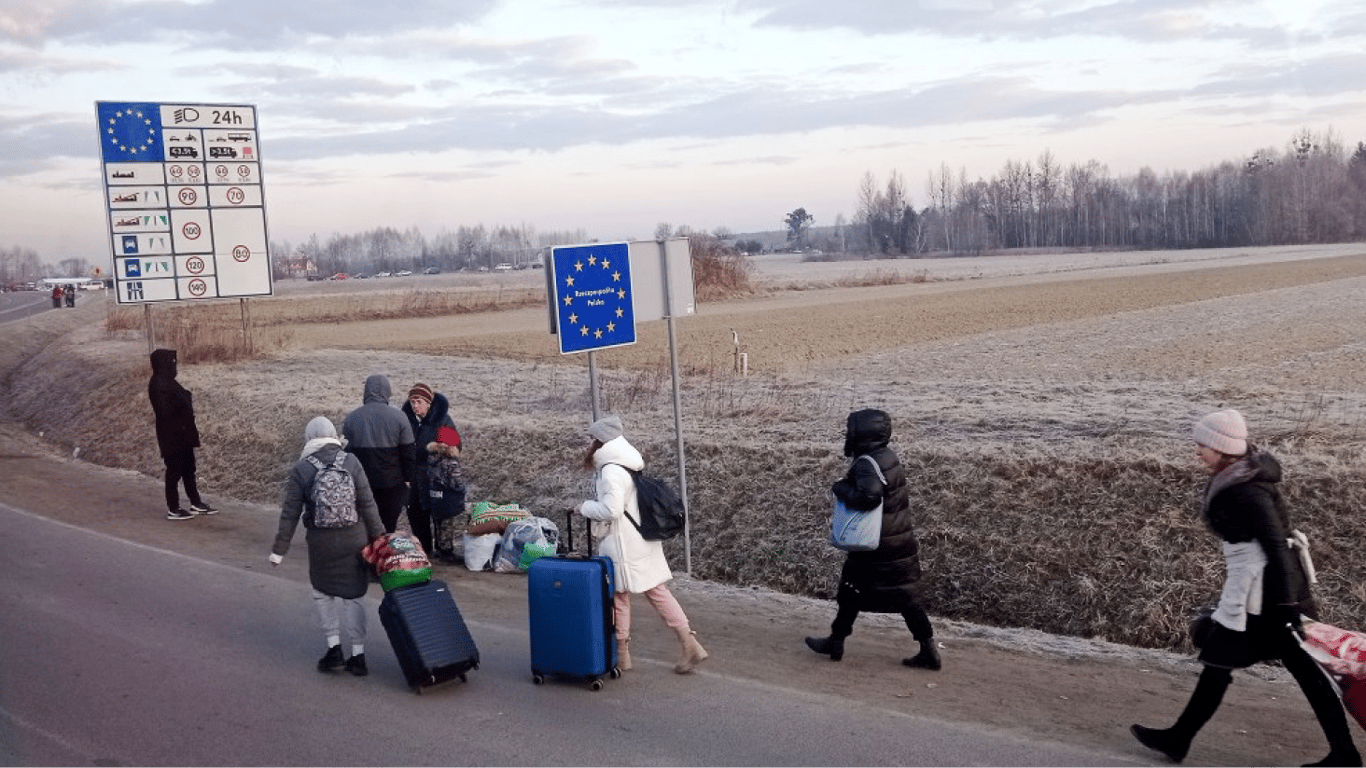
(615, 673)
(597, 684)
(537, 678)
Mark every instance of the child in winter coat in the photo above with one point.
(445, 489)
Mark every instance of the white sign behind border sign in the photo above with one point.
(184, 201)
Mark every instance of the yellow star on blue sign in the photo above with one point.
(130, 133)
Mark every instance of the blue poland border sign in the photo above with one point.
(593, 296)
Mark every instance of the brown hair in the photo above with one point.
(588, 456)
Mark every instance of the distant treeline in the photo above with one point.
(1313, 191)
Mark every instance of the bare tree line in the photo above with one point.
(385, 249)
(1313, 191)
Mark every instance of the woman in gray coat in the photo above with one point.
(335, 569)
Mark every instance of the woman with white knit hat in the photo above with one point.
(1265, 592)
(638, 565)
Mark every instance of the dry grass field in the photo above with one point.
(1042, 403)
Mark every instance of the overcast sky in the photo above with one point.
(611, 116)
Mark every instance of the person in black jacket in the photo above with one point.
(177, 435)
(427, 412)
(380, 436)
(883, 580)
(1265, 592)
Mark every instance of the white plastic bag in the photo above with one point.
(479, 550)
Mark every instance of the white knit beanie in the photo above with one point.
(606, 429)
(1224, 431)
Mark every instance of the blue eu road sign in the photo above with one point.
(593, 298)
(130, 132)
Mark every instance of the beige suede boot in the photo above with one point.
(623, 653)
(693, 652)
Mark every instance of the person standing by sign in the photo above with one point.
(883, 580)
(638, 565)
(177, 435)
(57, 295)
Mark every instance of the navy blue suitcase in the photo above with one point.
(572, 629)
(428, 634)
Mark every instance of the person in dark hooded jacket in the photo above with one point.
(380, 436)
(177, 435)
(883, 580)
(1265, 594)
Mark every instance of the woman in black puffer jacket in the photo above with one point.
(883, 580)
(1264, 596)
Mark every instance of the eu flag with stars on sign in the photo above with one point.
(130, 132)
(593, 300)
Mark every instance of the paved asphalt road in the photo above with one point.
(18, 305)
(133, 649)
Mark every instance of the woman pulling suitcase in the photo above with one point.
(639, 565)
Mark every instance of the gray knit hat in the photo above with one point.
(1224, 431)
(606, 429)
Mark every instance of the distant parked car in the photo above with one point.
(504, 267)
(339, 276)
(403, 273)
(382, 274)
(360, 276)
(431, 271)
(315, 278)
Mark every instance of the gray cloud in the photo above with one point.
(234, 24)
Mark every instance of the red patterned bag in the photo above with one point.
(1342, 655)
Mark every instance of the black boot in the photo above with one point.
(928, 658)
(1348, 756)
(830, 646)
(332, 661)
(1173, 745)
(1175, 742)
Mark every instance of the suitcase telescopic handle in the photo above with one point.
(569, 537)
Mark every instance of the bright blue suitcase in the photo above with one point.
(570, 606)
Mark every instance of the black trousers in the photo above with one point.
(390, 502)
(420, 519)
(847, 611)
(180, 468)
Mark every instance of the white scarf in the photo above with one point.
(311, 447)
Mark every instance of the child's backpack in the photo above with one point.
(333, 494)
(662, 516)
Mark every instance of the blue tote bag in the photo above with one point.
(853, 530)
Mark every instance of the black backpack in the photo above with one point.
(661, 511)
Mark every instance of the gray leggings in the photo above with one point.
(340, 617)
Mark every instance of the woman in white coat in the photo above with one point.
(639, 565)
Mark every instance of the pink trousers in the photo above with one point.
(660, 597)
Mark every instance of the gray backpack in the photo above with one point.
(333, 494)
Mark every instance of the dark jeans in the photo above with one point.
(390, 502)
(180, 467)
